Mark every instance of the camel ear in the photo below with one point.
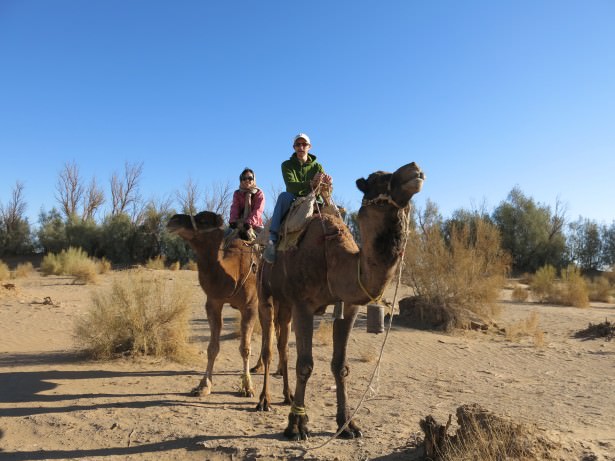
(362, 185)
(405, 182)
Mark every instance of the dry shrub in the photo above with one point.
(542, 283)
(103, 265)
(174, 266)
(528, 327)
(324, 332)
(574, 291)
(519, 294)
(74, 262)
(191, 266)
(156, 263)
(605, 329)
(23, 270)
(464, 273)
(5, 273)
(141, 314)
(570, 290)
(484, 436)
(599, 289)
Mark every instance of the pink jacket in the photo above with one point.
(255, 218)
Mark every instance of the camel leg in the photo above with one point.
(341, 370)
(265, 312)
(214, 318)
(248, 317)
(282, 332)
(303, 321)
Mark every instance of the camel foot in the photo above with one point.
(247, 393)
(200, 391)
(256, 369)
(297, 427)
(352, 431)
(263, 404)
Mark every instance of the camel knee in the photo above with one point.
(244, 351)
(340, 369)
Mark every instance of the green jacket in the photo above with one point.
(297, 177)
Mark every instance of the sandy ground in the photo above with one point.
(54, 405)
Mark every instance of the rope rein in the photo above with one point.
(376, 373)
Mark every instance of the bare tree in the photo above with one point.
(188, 197)
(93, 199)
(125, 190)
(218, 198)
(13, 213)
(69, 189)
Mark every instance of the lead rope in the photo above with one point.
(376, 372)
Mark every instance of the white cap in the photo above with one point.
(303, 136)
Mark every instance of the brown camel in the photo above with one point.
(226, 275)
(327, 266)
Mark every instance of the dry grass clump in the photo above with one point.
(484, 436)
(74, 262)
(599, 289)
(528, 327)
(23, 270)
(5, 273)
(324, 332)
(141, 314)
(191, 266)
(156, 263)
(464, 272)
(519, 294)
(174, 266)
(103, 265)
(570, 290)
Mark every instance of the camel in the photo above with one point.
(226, 275)
(325, 267)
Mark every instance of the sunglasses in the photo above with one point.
(247, 178)
(302, 144)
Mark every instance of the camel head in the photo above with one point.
(396, 188)
(188, 226)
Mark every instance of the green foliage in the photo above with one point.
(584, 244)
(530, 232)
(116, 238)
(15, 237)
(52, 232)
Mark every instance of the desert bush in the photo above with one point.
(464, 272)
(519, 294)
(599, 289)
(191, 266)
(574, 291)
(542, 283)
(51, 264)
(484, 436)
(23, 269)
(141, 314)
(156, 263)
(528, 327)
(103, 265)
(5, 273)
(174, 266)
(74, 262)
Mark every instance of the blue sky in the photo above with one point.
(483, 95)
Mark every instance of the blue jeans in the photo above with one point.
(285, 199)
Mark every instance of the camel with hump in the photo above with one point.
(227, 274)
(325, 267)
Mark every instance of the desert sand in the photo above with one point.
(56, 405)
